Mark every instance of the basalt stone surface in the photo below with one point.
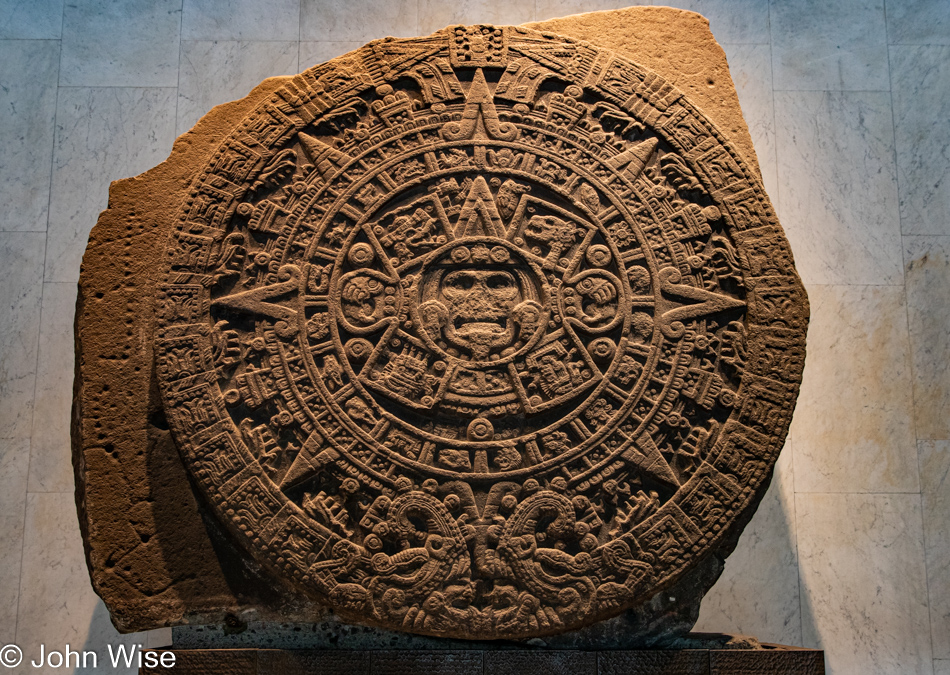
(487, 335)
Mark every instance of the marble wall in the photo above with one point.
(848, 103)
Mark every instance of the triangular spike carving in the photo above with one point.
(633, 161)
(646, 456)
(693, 303)
(327, 159)
(479, 215)
(311, 460)
(479, 113)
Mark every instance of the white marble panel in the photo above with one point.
(437, 14)
(751, 70)
(757, 593)
(21, 289)
(312, 53)
(863, 583)
(853, 426)
(921, 95)
(102, 134)
(927, 273)
(120, 43)
(222, 71)
(839, 46)
(14, 464)
(11, 551)
(14, 460)
(57, 604)
(29, 70)
(240, 20)
(51, 468)
(935, 491)
(838, 189)
(359, 20)
(31, 19)
(918, 22)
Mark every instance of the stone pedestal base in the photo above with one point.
(773, 659)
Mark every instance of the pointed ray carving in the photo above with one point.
(256, 300)
(479, 214)
(479, 111)
(704, 303)
(646, 456)
(313, 458)
(326, 159)
(632, 162)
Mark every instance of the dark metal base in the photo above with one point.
(772, 659)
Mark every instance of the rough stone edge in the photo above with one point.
(625, 31)
(167, 182)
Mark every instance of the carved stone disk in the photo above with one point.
(486, 334)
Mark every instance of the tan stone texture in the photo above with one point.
(676, 44)
(172, 538)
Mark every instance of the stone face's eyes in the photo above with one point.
(461, 281)
(500, 281)
(466, 280)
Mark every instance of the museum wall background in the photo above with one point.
(848, 103)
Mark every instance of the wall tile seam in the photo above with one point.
(809, 286)
(792, 502)
(875, 493)
(110, 86)
(36, 367)
(19, 591)
(49, 197)
(832, 91)
(15, 39)
(216, 40)
(910, 334)
(237, 41)
(931, 594)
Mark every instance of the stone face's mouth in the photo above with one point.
(464, 326)
(482, 335)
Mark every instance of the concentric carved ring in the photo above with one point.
(489, 334)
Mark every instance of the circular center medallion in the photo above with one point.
(489, 334)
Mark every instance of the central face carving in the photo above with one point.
(479, 304)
